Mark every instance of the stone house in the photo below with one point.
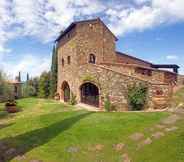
(15, 91)
(90, 68)
(17, 87)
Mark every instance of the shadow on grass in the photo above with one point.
(26, 142)
(3, 114)
(5, 125)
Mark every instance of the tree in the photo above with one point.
(6, 89)
(35, 84)
(30, 87)
(28, 90)
(44, 83)
(54, 72)
(27, 77)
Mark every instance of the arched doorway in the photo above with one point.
(65, 92)
(90, 94)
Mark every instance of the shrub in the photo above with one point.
(11, 103)
(137, 95)
(73, 100)
(11, 106)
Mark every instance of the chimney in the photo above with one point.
(19, 78)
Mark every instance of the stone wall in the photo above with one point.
(116, 84)
(170, 78)
(160, 94)
(85, 39)
(155, 77)
(68, 72)
(122, 68)
(94, 38)
(125, 59)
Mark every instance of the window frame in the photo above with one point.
(92, 58)
(69, 60)
(62, 62)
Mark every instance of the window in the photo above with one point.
(143, 71)
(69, 59)
(63, 62)
(92, 59)
(159, 92)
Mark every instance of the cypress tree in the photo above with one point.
(44, 83)
(27, 77)
(54, 71)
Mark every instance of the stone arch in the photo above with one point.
(65, 91)
(90, 94)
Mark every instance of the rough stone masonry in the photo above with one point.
(90, 68)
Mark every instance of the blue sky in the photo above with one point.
(149, 29)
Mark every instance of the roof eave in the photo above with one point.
(71, 26)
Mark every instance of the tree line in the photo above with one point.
(6, 89)
(44, 86)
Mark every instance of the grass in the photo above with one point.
(46, 130)
(168, 149)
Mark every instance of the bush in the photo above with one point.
(73, 100)
(11, 103)
(11, 106)
(137, 96)
(44, 83)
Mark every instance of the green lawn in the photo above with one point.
(53, 132)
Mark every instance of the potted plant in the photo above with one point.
(11, 106)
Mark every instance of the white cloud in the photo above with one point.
(44, 19)
(5, 22)
(170, 8)
(172, 57)
(133, 19)
(141, 1)
(146, 16)
(30, 63)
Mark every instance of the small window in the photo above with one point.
(63, 62)
(69, 59)
(92, 59)
(143, 71)
(159, 92)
